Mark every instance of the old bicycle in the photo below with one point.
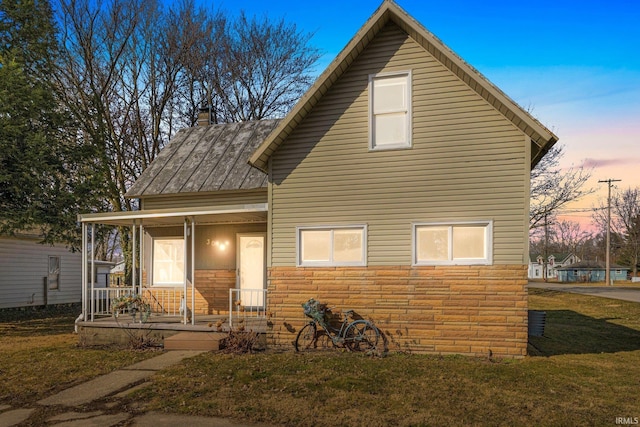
(357, 335)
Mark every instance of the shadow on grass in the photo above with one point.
(569, 332)
(38, 321)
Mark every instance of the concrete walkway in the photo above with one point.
(115, 385)
(626, 294)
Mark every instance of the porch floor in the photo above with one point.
(107, 330)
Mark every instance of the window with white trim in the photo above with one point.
(168, 261)
(390, 111)
(328, 246)
(459, 243)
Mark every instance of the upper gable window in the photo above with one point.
(390, 111)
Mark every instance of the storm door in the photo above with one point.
(251, 269)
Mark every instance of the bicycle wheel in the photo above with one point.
(361, 335)
(307, 338)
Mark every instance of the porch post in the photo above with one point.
(141, 256)
(133, 257)
(193, 270)
(93, 256)
(84, 271)
(185, 271)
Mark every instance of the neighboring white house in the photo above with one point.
(554, 261)
(33, 274)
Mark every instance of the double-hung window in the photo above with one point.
(53, 278)
(390, 111)
(168, 261)
(331, 246)
(460, 243)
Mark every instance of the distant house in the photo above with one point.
(116, 274)
(591, 271)
(33, 274)
(398, 187)
(554, 261)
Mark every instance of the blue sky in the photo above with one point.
(574, 64)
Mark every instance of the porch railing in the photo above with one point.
(247, 303)
(165, 301)
(102, 298)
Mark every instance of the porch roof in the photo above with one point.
(166, 217)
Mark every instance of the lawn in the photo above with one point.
(39, 355)
(585, 371)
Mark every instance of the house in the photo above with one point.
(554, 261)
(591, 271)
(102, 273)
(398, 187)
(33, 274)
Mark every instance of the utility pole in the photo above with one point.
(607, 271)
(545, 258)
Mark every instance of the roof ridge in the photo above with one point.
(542, 137)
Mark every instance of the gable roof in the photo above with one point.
(206, 158)
(542, 139)
(560, 257)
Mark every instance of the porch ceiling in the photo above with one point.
(166, 217)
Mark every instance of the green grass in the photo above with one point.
(39, 355)
(586, 370)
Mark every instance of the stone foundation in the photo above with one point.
(471, 310)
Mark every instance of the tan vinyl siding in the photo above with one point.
(222, 198)
(24, 264)
(466, 162)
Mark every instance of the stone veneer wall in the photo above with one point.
(212, 290)
(471, 310)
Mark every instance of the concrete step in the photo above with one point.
(194, 341)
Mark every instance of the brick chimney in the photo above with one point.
(204, 116)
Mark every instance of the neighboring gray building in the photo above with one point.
(591, 271)
(33, 274)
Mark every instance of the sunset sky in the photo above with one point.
(574, 64)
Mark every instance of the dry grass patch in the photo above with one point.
(39, 355)
(567, 383)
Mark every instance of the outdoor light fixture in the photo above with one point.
(221, 245)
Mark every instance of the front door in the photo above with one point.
(251, 268)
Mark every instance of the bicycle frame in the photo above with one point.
(336, 334)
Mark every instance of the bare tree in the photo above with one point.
(625, 226)
(564, 237)
(260, 70)
(120, 65)
(553, 187)
(571, 237)
(133, 72)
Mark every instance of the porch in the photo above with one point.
(200, 270)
